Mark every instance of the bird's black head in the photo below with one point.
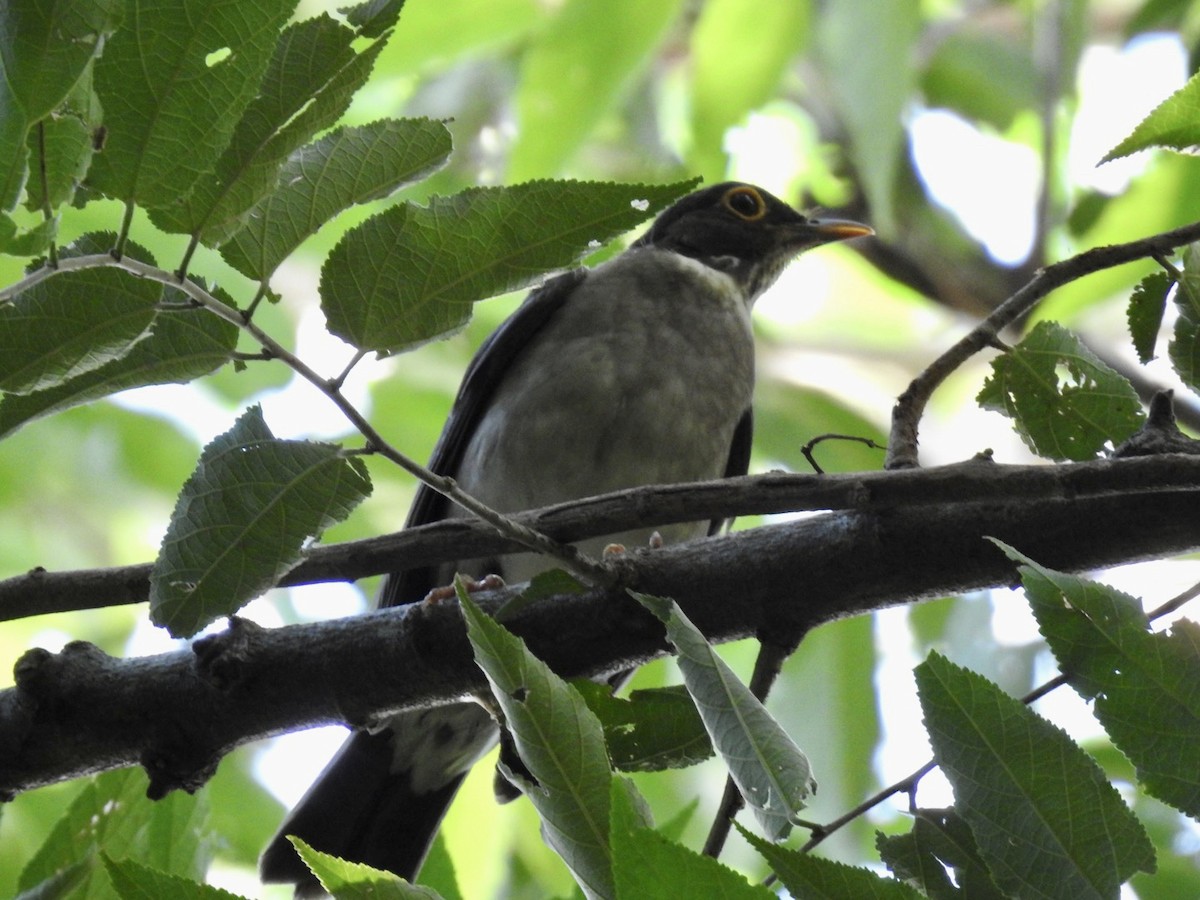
(744, 231)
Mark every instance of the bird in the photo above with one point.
(638, 371)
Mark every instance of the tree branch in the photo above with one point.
(906, 416)
(177, 713)
(39, 591)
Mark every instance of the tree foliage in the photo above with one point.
(184, 184)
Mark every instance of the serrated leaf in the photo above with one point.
(174, 82)
(580, 64)
(810, 876)
(133, 881)
(43, 51)
(940, 842)
(1174, 123)
(74, 322)
(1184, 349)
(1145, 687)
(1046, 821)
(1065, 403)
(770, 771)
(351, 880)
(113, 816)
(181, 346)
(244, 519)
(319, 180)
(560, 742)
(651, 731)
(1147, 304)
(411, 273)
(649, 866)
(373, 17)
(311, 78)
(740, 50)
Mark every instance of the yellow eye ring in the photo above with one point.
(745, 202)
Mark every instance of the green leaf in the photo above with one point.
(44, 49)
(984, 75)
(373, 17)
(312, 76)
(809, 876)
(649, 866)
(1147, 304)
(17, 242)
(1174, 123)
(1046, 820)
(559, 741)
(74, 322)
(871, 99)
(1184, 349)
(652, 730)
(740, 50)
(770, 771)
(244, 519)
(112, 816)
(182, 345)
(409, 274)
(64, 142)
(350, 880)
(174, 83)
(319, 180)
(580, 65)
(1145, 687)
(939, 843)
(134, 881)
(1065, 402)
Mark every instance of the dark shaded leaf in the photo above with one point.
(1046, 821)
(174, 82)
(1145, 687)
(411, 273)
(319, 180)
(244, 519)
(1147, 304)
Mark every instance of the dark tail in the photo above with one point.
(358, 809)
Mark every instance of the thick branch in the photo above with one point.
(39, 591)
(178, 713)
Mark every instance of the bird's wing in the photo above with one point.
(739, 457)
(493, 359)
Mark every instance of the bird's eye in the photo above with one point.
(745, 202)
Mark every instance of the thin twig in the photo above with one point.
(528, 537)
(906, 416)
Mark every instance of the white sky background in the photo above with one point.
(989, 183)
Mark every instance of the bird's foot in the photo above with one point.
(447, 592)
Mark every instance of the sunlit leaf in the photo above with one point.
(770, 771)
(1174, 123)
